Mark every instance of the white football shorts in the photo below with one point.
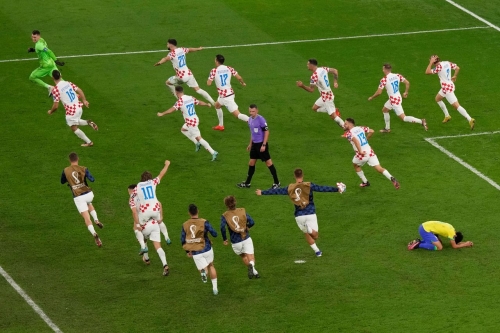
(398, 109)
(228, 102)
(245, 246)
(204, 259)
(189, 80)
(74, 119)
(82, 202)
(305, 221)
(371, 160)
(328, 106)
(450, 97)
(151, 230)
(148, 215)
(191, 131)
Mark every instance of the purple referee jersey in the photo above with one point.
(258, 126)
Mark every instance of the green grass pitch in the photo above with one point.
(366, 280)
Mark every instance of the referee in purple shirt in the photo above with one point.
(258, 147)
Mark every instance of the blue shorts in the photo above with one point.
(427, 237)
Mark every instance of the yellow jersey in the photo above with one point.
(440, 228)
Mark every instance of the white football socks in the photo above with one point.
(163, 229)
(410, 119)
(253, 267)
(220, 115)
(79, 133)
(464, 113)
(387, 119)
(172, 88)
(314, 247)
(339, 121)
(205, 95)
(186, 133)
(206, 145)
(93, 213)
(387, 174)
(243, 117)
(91, 229)
(140, 238)
(82, 122)
(162, 256)
(361, 175)
(443, 107)
(214, 284)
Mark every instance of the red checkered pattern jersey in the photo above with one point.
(65, 92)
(320, 79)
(145, 194)
(359, 132)
(178, 59)
(222, 76)
(443, 70)
(186, 104)
(152, 221)
(391, 83)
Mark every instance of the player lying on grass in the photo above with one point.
(430, 232)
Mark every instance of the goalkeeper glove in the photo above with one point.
(59, 63)
(31, 49)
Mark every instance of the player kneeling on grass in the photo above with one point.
(430, 232)
(190, 129)
(238, 222)
(301, 194)
(69, 94)
(194, 239)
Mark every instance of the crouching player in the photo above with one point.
(430, 232)
(238, 222)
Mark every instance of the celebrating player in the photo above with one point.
(222, 75)
(183, 74)
(190, 129)
(194, 239)
(69, 94)
(76, 176)
(301, 194)
(358, 136)
(238, 222)
(148, 207)
(319, 78)
(430, 232)
(391, 83)
(46, 58)
(443, 70)
(258, 147)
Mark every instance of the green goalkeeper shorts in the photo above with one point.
(42, 72)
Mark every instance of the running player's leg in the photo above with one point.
(38, 73)
(357, 163)
(409, 119)
(248, 257)
(332, 112)
(83, 209)
(185, 131)
(93, 213)
(452, 99)
(191, 82)
(439, 101)
(206, 145)
(387, 117)
(373, 162)
(156, 239)
(232, 107)
(171, 83)
(211, 270)
(302, 223)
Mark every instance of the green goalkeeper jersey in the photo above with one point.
(45, 56)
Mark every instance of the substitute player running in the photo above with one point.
(391, 83)
(183, 74)
(76, 176)
(443, 70)
(319, 78)
(194, 239)
(148, 211)
(69, 94)
(47, 60)
(358, 136)
(301, 195)
(222, 75)
(190, 129)
(238, 222)
(430, 232)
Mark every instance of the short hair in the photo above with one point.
(313, 61)
(146, 175)
(73, 157)
(351, 121)
(172, 41)
(298, 173)
(36, 32)
(437, 58)
(132, 186)
(220, 58)
(387, 65)
(458, 237)
(253, 106)
(230, 202)
(193, 210)
(56, 74)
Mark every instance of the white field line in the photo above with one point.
(29, 301)
(478, 173)
(260, 44)
(473, 14)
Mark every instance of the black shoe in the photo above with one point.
(243, 185)
(275, 186)
(364, 184)
(250, 271)
(59, 63)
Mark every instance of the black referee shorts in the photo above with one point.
(256, 154)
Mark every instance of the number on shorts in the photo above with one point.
(395, 86)
(148, 192)
(362, 139)
(190, 108)
(325, 77)
(223, 79)
(71, 95)
(182, 60)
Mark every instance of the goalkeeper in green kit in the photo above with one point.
(47, 60)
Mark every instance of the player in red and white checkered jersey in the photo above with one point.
(358, 137)
(391, 83)
(143, 199)
(190, 129)
(319, 79)
(443, 70)
(222, 75)
(183, 74)
(69, 94)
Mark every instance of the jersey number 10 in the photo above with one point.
(148, 192)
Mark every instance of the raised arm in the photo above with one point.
(161, 114)
(164, 170)
(429, 70)
(323, 188)
(276, 191)
(195, 49)
(163, 60)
